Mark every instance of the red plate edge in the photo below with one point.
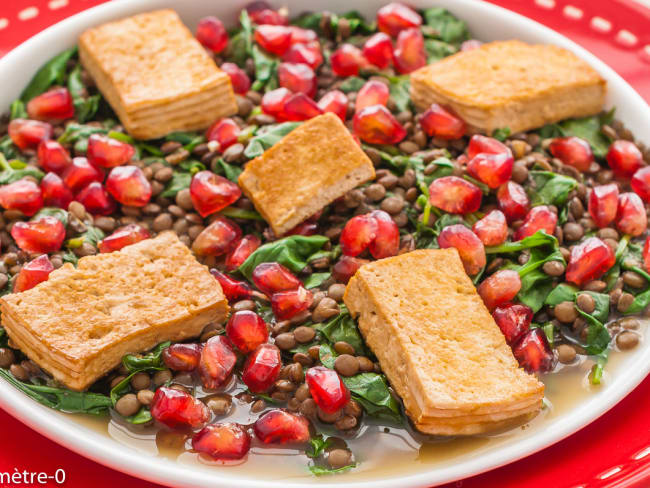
(613, 451)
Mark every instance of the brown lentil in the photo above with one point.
(7, 357)
(19, 372)
(346, 365)
(343, 347)
(624, 302)
(285, 341)
(338, 458)
(634, 280)
(127, 405)
(553, 268)
(565, 312)
(304, 334)
(565, 353)
(145, 397)
(140, 381)
(586, 303)
(627, 340)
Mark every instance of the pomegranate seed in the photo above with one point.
(273, 102)
(262, 368)
(225, 132)
(54, 104)
(347, 60)
(298, 78)
(178, 409)
(631, 217)
(129, 186)
(33, 273)
(275, 39)
(513, 201)
(455, 195)
(182, 357)
(345, 268)
(624, 158)
(302, 36)
(80, 174)
(223, 442)
(573, 151)
(469, 246)
(233, 289)
(23, 195)
(28, 134)
(646, 254)
(589, 260)
(271, 278)
(304, 53)
(499, 288)
(470, 45)
(265, 15)
(357, 234)
(52, 156)
(239, 80)
(327, 389)
(212, 34)
(492, 169)
(439, 122)
(492, 229)
(96, 199)
(409, 53)
(603, 204)
(395, 17)
(483, 144)
(373, 92)
(538, 218)
(218, 238)
(44, 235)
(281, 427)
(241, 251)
(211, 193)
(306, 228)
(534, 353)
(376, 125)
(513, 320)
(288, 304)
(300, 107)
(336, 102)
(386, 241)
(107, 152)
(124, 236)
(55, 193)
(378, 49)
(217, 362)
(247, 330)
(641, 183)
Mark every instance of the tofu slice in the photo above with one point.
(156, 75)
(511, 84)
(438, 344)
(81, 321)
(309, 168)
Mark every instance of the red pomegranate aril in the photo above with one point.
(212, 34)
(52, 156)
(631, 217)
(484, 144)
(275, 39)
(376, 125)
(538, 218)
(262, 368)
(588, 261)
(223, 441)
(268, 16)
(80, 174)
(218, 238)
(640, 183)
(603, 204)
(44, 235)
(492, 229)
(395, 17)
(27, 134)
(440, 122)
(96, 199)
(55, 193)
(469, 246)
(288, 304)
(129, 186)
(300, 106)
(23, 195)
(233, 289)
(282, 427)
(124, 236)
(327, 389)
(345, 268)
(33, 273)
(513, 201)
(357, 234)
(271, 278)
(347, 60)
(386, 241)
(373, 92)
(107, 152)
(247, 330)
(304, 53)
(178, 409)
(273, 102)
(624, 158)
(239, 80)
(499, 288)
(409, 53)
(306, 228)
(492, 169)
(573, 151)
(211, 193)
(182, 357)
(244, 248)
(513, 320)
(302, 36)
(54, 104)
(646, 254)
(534, 353)
(334, 101)
(217, 362)
(378, 50)
(225, 132)
(455, 195)
(297, 78)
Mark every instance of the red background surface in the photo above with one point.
(614, 451)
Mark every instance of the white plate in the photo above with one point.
(486, 22)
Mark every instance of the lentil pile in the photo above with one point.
(550, 224)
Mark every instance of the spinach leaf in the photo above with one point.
(399, 88)
(322, 471)
(51, 72)
(17, 110)
(327, 356)
(351, 84)
(267, 136)
(151, 360)
(356, 23)
(4, 338)
(142, 417)
(180, 181)
(317, 446)
(308, 21)
(92, 236)
(501, 134)
(343, 328)
(587, 128)
(266, 70)
(230, 171)
(70, 257)
(539, 238)
(601, 300)
(57, 213)
(550, 188)
(446, 26)
(192, 166)
(7, 147)
(597, 371)
(240, 213)
(437, 50)
(85, 107)
(561, 293)
(16, 170)
(78, 135)
(535, 287)
(371, 391)
(314, 280)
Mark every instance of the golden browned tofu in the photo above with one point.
(309, 168)
(511, 84)
(439, 346)
(79, 323)
(156, 75)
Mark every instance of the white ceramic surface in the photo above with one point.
(486, 22)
